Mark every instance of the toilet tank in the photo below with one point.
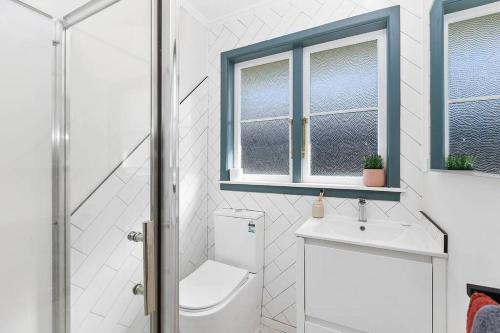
(239, 238)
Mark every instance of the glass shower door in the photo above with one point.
(108, 110)
(26, 110)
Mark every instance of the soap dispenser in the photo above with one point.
(318, 208)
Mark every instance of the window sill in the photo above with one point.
(470, 173)
(330, 190)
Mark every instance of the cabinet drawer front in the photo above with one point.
(370, 290)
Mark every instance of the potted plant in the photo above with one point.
(460, 162)
(374, 173)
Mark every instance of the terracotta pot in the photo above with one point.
(374, 177)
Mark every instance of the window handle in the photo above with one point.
(304, 126)
(291, 139)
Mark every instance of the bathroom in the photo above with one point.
(141, 193)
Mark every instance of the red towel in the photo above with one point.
(477, 301)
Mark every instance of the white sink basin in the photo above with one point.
(375, 233)
(365, 231)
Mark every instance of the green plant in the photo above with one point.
(374, 162)
(460, 162)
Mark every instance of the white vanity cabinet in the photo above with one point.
(346, 287)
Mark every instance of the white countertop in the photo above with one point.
(382, 234)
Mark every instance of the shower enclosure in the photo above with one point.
(88, 111)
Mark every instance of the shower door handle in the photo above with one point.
(149, 264)
(148, 287)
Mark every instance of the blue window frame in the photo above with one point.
(455, 88)
(294, 44)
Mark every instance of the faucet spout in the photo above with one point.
(362, 210)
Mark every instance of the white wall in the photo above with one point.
(467, 208)
(26, 104)
(193, 144)
(193, 204)
(193, 49)
(284, 213)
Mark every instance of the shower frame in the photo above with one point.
(164, 164)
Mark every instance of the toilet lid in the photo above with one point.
(212, 283)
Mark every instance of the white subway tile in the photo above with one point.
(89, 268)
(100, 226)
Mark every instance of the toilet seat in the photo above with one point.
(209, 285)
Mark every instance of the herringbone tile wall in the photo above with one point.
(284, 213)
(193, 155)
(104, 264)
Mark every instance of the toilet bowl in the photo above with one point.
(225, 295)
(219, 298)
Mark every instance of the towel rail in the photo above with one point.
(492, 292)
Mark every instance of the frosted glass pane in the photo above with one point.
(474, 57)
(475, 129)
(265, 147)
(340, 141)
(344, 78)
(265, 90)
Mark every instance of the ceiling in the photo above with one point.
(205, 10)
(211, 10)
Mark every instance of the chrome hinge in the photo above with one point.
(135, 236)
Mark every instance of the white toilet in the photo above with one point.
(225, 295)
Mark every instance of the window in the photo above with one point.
(344, 107)
(263, 113)
(472, 89)
(465, 82)
(299, 112)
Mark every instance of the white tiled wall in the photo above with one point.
(284, 213)
(105, 265)
(193, 154)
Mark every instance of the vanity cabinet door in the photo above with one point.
(361, 289)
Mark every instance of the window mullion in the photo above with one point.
(297, 114)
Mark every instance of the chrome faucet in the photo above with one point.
(362, 210)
